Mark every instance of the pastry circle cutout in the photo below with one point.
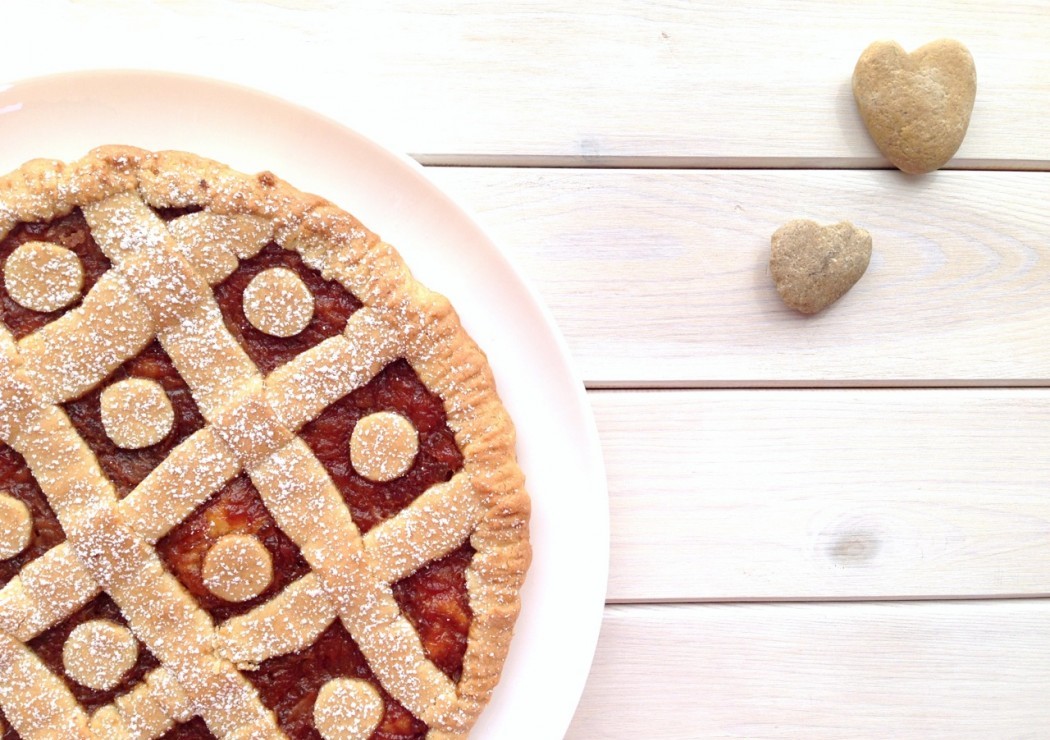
(347, 709)
(238, 567)
(136, 413)
(278, 302)
(43, 277)
(16, 526)
(401, 347)
(98, 653)
(383, 446)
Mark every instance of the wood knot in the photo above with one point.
(855, 547)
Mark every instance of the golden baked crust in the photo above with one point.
(159, 287)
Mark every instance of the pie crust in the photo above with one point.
(16, 526)
(136, 413)
(159, 287)
(238, 567)
(98, 653)
(43, 277)
(383, 446)
(277, 302)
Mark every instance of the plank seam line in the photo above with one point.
(657, 162)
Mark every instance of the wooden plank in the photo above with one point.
(826, 494)
(932, 670)
(766, 83)
(661, 277)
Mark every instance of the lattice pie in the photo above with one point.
(255, 481)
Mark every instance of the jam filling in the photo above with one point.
(433, 599)
(48, 647)
(397, 388)
(332, 307)
(127, 468)
(236, 508)
(289, 685)
(17, 481)
(170, 214)
(70, 232)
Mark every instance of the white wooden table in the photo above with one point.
(836, 526)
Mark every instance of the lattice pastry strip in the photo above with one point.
(167, 269)
(299, 390)
(50, 709)
(55, 585)
(189, 323)
(431, 527)
(74, 353)
(173, 628)
(308, 507)
(47, 591)
(190, 474)
(214, 244)
(289, 622)
(145, 712)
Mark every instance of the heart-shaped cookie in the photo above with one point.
(916, 106)
(814, 265)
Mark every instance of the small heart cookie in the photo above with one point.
(813, 265)
(916, 106)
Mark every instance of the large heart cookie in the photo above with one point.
(813, 265)
(916, 106)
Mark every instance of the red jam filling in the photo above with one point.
(17, 481)
(127, 468)
(195, 729)
(70, 232)
(434, 598)
(289, 685)
(396, 388)
(332, 307)
(236, 508)
(48, 646)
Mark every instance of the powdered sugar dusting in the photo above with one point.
(136, 413)
(43, 277)
(383, 446)
(238, 567)
(347, 709)
(277, 302)
(254, 420)
(98, 653)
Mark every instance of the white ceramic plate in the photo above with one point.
(64, 116)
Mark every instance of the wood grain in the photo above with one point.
(767, 467)
(711, 84)
(661, 277)
(826, 494)
(939, 670)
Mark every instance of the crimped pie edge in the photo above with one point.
(447, 361)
